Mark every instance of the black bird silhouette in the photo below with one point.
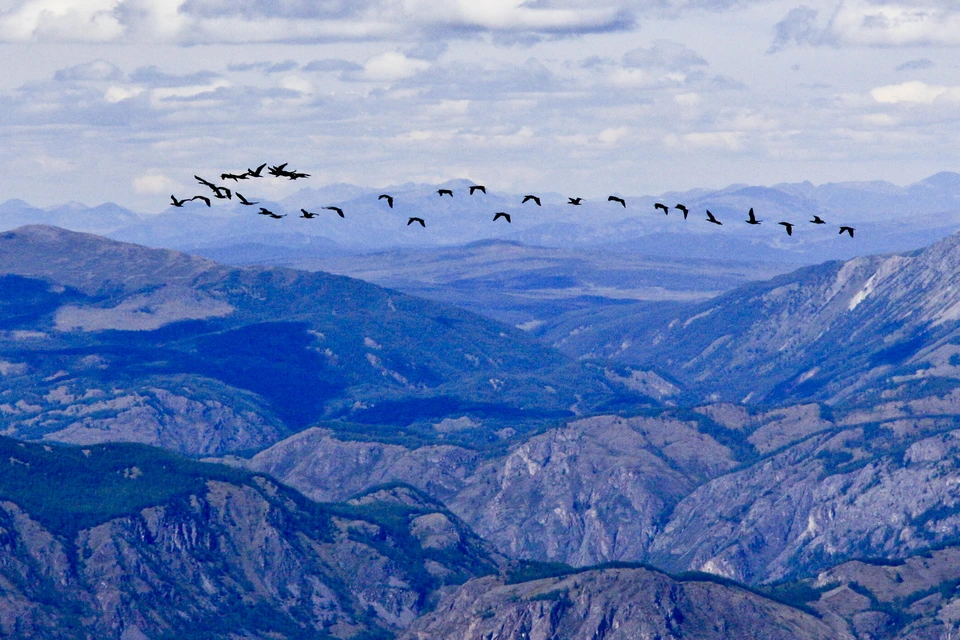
(575, 201)
(233, 176)
(666, 209)
(616, 199)
(306, 214)
(789, 227)
(529, 197)
(337, 209)
(684, 209)
(179, 203)
(267, 212)
(412, 220)
(442, 192)
(753, 218)
(710, 218)
(477, 187)
(848, 230)
(501, 214)
(389, 199)
(256, 174)
(217, 191)
(294, 175)
(277, 170)
(817, 220)
(244, 200)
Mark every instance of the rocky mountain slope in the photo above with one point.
(594, 490)
(142, 544)
(615, 604)
(873, 328)
(107, 341)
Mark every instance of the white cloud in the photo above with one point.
(872, 23)
(61, 20)
(915, 91)
(119, 94)
(154, 183)
(391, 66)
(726, 140)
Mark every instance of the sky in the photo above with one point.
(125, 100)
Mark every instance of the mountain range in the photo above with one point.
(774, 458)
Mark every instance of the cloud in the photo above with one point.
(97, 70)
(59, 20)
(391, 66)
(264, 67)
(154, 183)
(877, 23)
(154, 77)
(461, 80)
(247, 21)
(915, 65)
(332, 64)
(912, 92)
(799, 26)
(664, 54)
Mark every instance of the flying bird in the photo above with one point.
(753, 218)
(818, 220)
(684, 209)
(616, 199)
(277, 170)
(666, 209)
(848, 230)
(256, 174)
(267, 212)
(389, 199)
(412, 220)
(501, 214)
(337, 209)
(244, 200)
(217, 191)
(477, 187)
(294, 175)
(233, 176)
(710, 218)
(442, 192)
(575, 201)
(529, 197)
(789, 227)
(179, 203)
(306, 214)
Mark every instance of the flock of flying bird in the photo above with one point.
(280, 171)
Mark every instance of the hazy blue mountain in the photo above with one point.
(528, 286)
(118, 341)
(75, 216)
(887, 217)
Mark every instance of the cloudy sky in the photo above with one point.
(124, 100)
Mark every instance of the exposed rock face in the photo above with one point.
(234, 559)
(326, 468)
(830, 498)
(189, 414)
(593, 491)
(614, 604)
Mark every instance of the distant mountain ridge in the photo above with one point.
(888, 217)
